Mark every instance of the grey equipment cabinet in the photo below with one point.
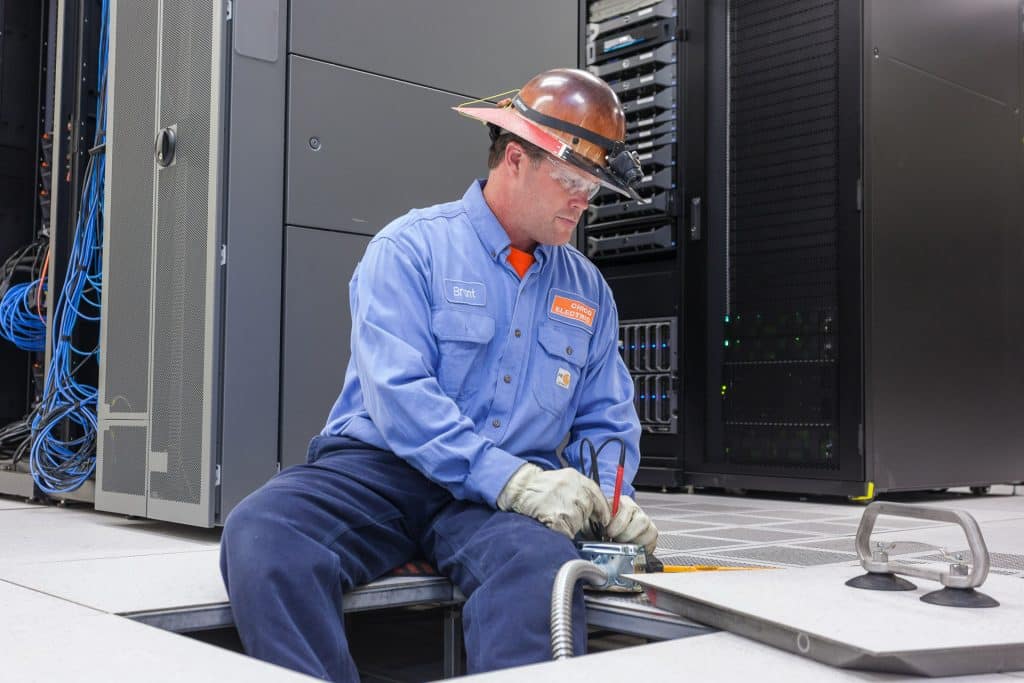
(175, 410)
(254, 147)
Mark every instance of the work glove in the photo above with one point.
(564, 500)
(632, 525)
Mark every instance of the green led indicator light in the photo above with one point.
(727, 342)
(726, 318)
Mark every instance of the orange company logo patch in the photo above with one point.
(573, 310)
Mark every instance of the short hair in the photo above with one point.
(499, 141)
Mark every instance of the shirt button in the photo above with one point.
(507, 378)
(496, 423)
(519, 333)
(568, 350)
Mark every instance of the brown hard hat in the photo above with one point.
(579, 98)
(576, 117)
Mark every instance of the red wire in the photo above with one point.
(618, 489)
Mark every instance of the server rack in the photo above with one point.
(49, 121)
(863, 338)
(652, 55)
(20, 131)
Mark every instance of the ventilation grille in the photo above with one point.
(779, 387)
(129, 211)
(783, 88)
(179, 401)
(123, 450)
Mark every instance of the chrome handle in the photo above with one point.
(979, 551)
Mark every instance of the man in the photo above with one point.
(479, 340)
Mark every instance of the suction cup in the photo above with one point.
(959, 597)
(880, 582)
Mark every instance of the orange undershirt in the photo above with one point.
(520, 260)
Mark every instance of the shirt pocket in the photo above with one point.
(559, 362)
(461, 340)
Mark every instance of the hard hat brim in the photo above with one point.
(509, 119)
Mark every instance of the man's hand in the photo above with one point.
(632, 525)
(564, 499)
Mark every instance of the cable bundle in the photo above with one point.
(15, 440)
(21, 318)
(63, 452)
(18, 322)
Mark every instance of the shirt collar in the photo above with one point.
(490, 230)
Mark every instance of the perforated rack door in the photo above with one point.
(185, 263)
(783, 232)
(157, 392)
(123, 408)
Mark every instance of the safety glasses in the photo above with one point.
(572, 181)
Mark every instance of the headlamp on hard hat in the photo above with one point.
(626, 167)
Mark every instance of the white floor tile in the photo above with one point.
(50, 640)
(122, 585)
(48, 534)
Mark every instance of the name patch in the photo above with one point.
(569, 308)
(459, 292)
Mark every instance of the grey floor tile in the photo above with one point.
(784, 555)
(829, 528)
(676, 525)
(753, 534)
(14, 503)
(732, 519)
(686, 542)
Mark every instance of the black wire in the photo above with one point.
(24, 265)
(15, 439)
(595, 473)
(26, 262)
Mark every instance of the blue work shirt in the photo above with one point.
(465, 371)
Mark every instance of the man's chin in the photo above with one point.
(557, 242)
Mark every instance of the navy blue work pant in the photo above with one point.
(293, 548)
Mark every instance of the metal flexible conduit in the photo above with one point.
(561, 602)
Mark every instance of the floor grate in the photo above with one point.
(753, 534)
(996, 560)
(784, 555)
(684, 542)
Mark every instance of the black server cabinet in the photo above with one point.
(23, 42)
(652, 55)
(864, 174)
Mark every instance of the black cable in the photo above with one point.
(595, 473)
(24, 265)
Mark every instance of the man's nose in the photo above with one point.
(579, 200)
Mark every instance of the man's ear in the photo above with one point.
(514, 156)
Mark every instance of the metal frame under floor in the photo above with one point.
(166, 575)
